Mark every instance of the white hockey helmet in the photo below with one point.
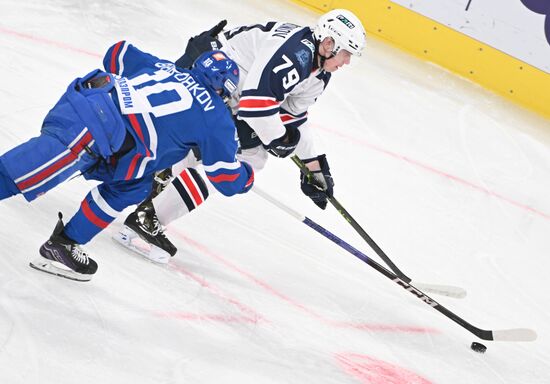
(344, 28)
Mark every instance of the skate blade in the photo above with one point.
(54, 268)
(130, 240)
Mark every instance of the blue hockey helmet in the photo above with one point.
(220, 71)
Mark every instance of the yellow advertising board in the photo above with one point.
(514, 63)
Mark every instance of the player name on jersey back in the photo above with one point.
(149, 91)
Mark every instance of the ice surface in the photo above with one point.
(451, 181)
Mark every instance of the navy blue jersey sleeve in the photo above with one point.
(125, 60)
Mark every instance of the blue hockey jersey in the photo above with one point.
(169, 110)
(120, 127)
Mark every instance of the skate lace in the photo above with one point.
(79, 254)
(157, 228)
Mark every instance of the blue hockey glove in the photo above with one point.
(320, 186)
(197, 45)
(284, 145)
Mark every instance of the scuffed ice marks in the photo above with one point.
(118, 18)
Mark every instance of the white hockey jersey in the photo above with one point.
(279, 79)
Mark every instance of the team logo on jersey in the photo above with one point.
(303, 57)
(309, 44)
(344, 20)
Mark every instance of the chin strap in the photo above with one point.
(319, 61)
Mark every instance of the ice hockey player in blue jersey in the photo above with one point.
(120, 126)
(284, 69)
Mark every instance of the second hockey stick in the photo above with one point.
(515, 334)
(445, 290)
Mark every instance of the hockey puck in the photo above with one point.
(478, 347)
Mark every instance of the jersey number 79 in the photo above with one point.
(292, 77)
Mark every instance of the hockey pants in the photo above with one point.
(51, 163)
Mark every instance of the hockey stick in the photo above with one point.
(451, 291)
(305, 170)
(516, 334)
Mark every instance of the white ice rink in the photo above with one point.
(451, 181)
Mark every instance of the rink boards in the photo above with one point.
(499, 45)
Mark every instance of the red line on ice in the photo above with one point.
(251, 315)
(368, 370)
(43, 40)
(439, 172)
(338, 324)
(206, 317)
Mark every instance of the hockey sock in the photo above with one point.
(185, 193)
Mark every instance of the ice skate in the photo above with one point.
(63, 257)
(143, 234)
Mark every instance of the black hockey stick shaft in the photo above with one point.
(481, 333)
(521, 334)
(346, 215)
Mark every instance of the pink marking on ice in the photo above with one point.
(338, 324)
(45, 41)
(368, 370)
(252, 315)
(249, 276)
(382, 327)
(439, 172)
(206, 317)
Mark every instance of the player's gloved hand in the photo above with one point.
(320, 186)
(197, 45)
(284, 145)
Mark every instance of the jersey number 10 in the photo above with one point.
(161, 98)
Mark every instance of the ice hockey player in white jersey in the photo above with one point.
(284, 69)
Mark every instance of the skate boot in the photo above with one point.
(63, 257)
(143, 224)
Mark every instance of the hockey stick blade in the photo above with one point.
(442, 290)
(516, 334)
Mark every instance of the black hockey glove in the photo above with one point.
(284, 145)
(197, 45)
(320, 186)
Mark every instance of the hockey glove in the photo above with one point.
(197, 45)
(284, 145)
(320, 185)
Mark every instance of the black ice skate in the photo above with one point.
(144, 223)
(63, 257)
